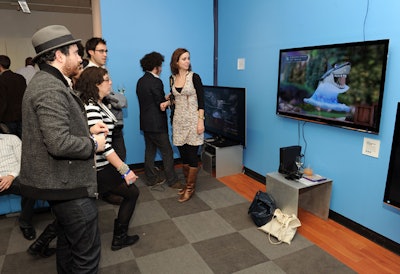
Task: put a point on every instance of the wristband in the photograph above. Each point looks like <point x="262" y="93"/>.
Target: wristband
<point x="125" y="174"/>
<point x="202" y="117"/>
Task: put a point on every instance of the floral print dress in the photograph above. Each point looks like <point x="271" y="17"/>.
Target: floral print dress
<point x="184" y="125"/>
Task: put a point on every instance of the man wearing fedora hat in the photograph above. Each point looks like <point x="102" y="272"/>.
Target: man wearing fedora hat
<point x="58" y="150"/>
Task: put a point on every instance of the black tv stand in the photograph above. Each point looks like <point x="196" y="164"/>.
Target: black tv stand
<point x="221" y="142"/>
<point x="222" y="157"/>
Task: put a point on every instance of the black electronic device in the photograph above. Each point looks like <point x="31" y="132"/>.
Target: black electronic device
<point x="392" y="190"/>
<point x="287" y="160"/>
<point x="340" y="84"/>
<point x="225" y="115"/>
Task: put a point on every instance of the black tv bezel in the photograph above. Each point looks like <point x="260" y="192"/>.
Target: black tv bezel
<point x="222" y="136"/>
<point x="325" y="121"/>
<point x="392" y="183"/>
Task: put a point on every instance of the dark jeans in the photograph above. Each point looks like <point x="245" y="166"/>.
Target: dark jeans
<point x="27" y="204"/>
<point x="78" y="238"/>
<point x="154" y="141"/>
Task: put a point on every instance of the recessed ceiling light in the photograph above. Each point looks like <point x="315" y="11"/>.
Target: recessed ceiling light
<point x="24" y="6"/>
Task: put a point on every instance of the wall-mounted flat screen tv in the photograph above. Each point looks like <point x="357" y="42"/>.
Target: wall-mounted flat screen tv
<point x="225" y="114"/>
<point x="340" y="84"/>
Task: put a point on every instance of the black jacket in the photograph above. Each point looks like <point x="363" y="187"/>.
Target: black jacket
<point x="12" y="89"/>
<point x="150" y="92"/>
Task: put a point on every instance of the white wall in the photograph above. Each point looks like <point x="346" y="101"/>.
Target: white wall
<point x="17" y="28"/>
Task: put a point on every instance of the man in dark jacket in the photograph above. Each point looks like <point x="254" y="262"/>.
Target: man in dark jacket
<point x="12" y="88"/>
<point x="153" y="120"/>
<point x="58" y="150"/>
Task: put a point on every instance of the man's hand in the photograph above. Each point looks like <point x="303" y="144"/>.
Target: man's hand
<point x="164" y="105"/>
<point x="98" y="128"/>
<point x="101" y="141"/>
<point x="5" y="182"/>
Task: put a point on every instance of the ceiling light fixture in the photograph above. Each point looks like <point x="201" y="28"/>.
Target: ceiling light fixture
<point x="24" y="6"/>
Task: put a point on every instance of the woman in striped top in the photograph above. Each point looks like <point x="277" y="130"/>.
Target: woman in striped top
<point x="113" y="175"/>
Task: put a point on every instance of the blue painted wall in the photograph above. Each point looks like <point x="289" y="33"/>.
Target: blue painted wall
<point x="256" y="30"/>
<point x="135" y="28"/>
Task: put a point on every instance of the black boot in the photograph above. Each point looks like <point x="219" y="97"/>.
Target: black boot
<point x="41" y="245"/>
<point x="120" y="237"/>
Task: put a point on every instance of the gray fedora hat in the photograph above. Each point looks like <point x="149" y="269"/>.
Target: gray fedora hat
<point x="51" y="37"/>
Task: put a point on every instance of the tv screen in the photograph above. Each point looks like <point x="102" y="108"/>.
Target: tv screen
<point x="225" y="114"/>
<point x="340" y="84"/>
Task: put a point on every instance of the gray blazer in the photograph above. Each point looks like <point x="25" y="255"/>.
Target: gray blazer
<point x="57" y="151"/>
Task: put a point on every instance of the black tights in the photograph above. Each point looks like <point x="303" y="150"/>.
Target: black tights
<point x="189" y="155"/>
<point x="110" y="176"/>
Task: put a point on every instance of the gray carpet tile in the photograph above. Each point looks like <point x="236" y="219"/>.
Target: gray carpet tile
<point x="158" y="236"/>
<point x="311" y="260"/>
<point x="183" y="259"/>
<point x="124" y="267"/>
<point x="233" y="215"/>
<point x="176" y="209"/>
<point x="229" y="253"/>
<point x="203" y="225"/>
<point x="210" y="233"/>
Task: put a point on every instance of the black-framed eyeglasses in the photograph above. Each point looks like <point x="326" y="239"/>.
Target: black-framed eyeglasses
<point x="102" y="51"/>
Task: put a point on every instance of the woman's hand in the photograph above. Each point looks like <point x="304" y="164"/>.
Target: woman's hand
<point x="200" y="126"/>
<point x="130" y="178"/>
<point x="98" y="128"/>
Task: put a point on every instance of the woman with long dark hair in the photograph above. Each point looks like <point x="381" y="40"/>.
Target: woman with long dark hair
<point x="113" y="175"/>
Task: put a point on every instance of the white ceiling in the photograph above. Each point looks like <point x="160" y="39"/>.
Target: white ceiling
<point x="63" y="6"/>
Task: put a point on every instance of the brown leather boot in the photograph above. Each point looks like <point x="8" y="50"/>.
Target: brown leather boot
<point x="185" y="168"/>
<point x="190" y="185"/>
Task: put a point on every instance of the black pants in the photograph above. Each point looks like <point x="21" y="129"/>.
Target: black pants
<point x="189" y="155"/>
<point x="109" y="180"/>
<point x="159" y="141"/>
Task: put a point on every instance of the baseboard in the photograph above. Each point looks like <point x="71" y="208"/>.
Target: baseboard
<point x="365" y="232"/>
<point x="356" y="227"/>
<point x="254" y="175"/>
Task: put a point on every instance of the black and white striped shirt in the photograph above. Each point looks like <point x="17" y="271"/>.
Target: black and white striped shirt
<point x="96" y="114"/>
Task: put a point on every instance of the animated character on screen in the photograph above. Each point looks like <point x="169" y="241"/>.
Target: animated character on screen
<point x="330" y="85"/>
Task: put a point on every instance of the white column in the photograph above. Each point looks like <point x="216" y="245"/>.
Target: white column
<point x="96" y="18"/>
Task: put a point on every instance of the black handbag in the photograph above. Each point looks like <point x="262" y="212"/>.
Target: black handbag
<point x="262" y="208"/>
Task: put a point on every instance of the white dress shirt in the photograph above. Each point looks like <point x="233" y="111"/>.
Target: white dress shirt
<point x="10" y="155"/>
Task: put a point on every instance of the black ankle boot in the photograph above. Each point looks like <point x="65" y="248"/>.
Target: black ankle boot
<point x="41" y="245"/>
<point x="120" y="237"/>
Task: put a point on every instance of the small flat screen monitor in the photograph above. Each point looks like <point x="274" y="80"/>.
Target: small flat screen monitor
<point x="225" y="114"/>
